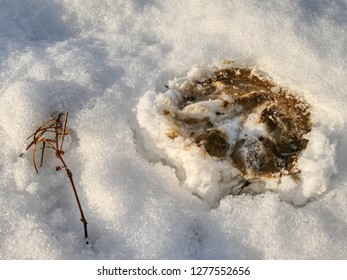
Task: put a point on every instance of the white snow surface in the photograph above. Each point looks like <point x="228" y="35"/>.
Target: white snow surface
<point x="97" y="60"/>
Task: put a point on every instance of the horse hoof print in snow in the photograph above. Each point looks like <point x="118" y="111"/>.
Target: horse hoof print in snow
<point x="228" y="131"/>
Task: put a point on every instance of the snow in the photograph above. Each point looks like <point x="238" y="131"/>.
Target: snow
<point x="99" y="61"/>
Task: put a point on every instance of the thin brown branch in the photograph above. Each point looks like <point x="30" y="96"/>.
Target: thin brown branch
<point x="35" y="139"/>
<point x="42" y="126"/>
<point x="43" y="151"/>
<point x="57" y="126"/>
<point x="83" y="219"/>
<point x="56" y="138"/>
<point x="63" y="131"/>
<point x="34" y="153"/>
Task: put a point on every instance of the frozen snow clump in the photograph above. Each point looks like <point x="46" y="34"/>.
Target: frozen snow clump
<point x="230" y="131"/>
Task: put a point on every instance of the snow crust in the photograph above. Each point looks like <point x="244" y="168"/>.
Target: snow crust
<point x="99" y="60"/>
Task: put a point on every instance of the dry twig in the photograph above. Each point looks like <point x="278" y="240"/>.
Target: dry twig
<point x="49" y="134"/>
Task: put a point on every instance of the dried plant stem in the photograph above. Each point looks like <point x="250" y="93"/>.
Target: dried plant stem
<point x="58" y="127"/>
<point x="83" y="219"/>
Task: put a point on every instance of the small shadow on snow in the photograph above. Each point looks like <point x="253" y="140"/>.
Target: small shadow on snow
<point x="335" y="11"/>
<point x="34" y="20"/>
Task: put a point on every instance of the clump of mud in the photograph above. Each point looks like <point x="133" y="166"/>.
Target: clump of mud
<point x="232" y="130"/>
<point x="239" y="116"/>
